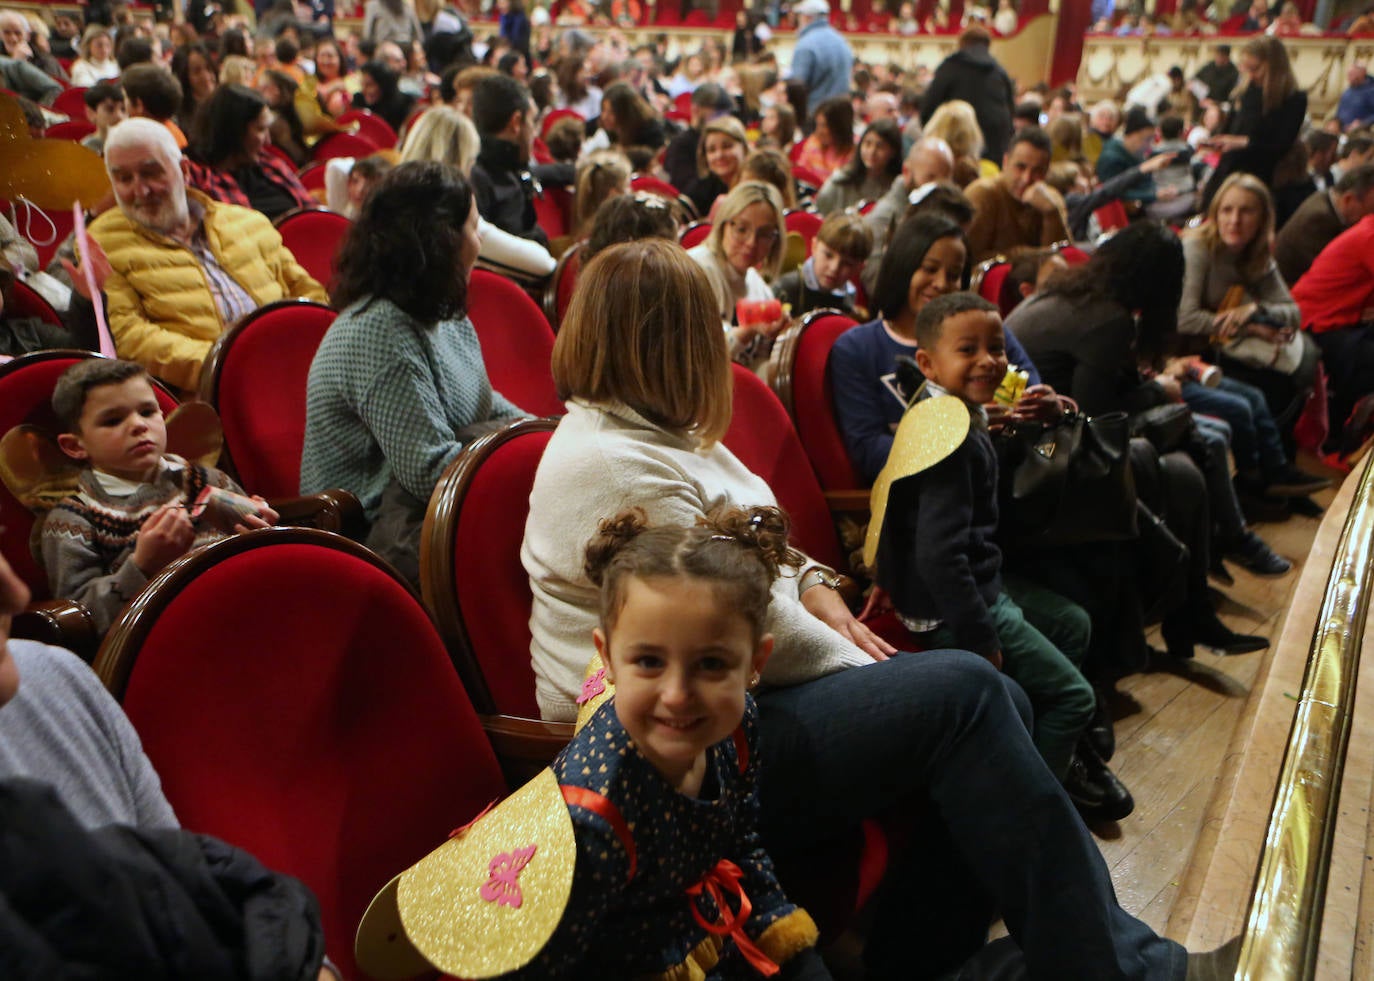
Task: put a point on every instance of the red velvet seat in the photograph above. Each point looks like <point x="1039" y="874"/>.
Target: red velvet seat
<point x="73" y="129"/>
<point x="694" y="234"/>
<point x="651" y="184"/>
<point x="312" y="177"/>
<point x="313" y="236"/>
<point x="989" y="282"/>
<point x="806" y="175"/>
<point x="553" y="211"/>
<point x="370" y="126"/>
<point x="558" y="295"/>
<point x="517" y="342"/>
<point x="1072" y="254"/>
<point x="297" y="702"/>
<point x="25" y="301"/>
<point x="342" y="145"/>
<point x="554" y="116"/>
<point x="255" y="377"/>
<point x="1112" y="216"/>
<point x="45" y="229"/>
<point x="71" y="102"/>
<point x="802" y="383"/>
<point x="804" y="223"/>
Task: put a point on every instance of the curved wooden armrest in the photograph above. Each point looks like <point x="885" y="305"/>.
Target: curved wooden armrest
<point x="847" y="500"/>
<point x="61" y="623"/>
<point x="330" y="510"/>
<point x="525" y="746"/>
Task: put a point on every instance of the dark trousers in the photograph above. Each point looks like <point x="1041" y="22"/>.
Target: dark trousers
<point x="1348" y="355"/>
<point x="944" y="727"/>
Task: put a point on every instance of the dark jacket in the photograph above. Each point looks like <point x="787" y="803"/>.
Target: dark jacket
<point x="972" y="74"/>
<point x="1220" y="80"/>
<point x="123" y="903"/>
<point x="504" y="186"/>
<point x="1311" y="229"/>
<point x="1272" y="134"/>
<point x="791" y="289"/>
<point x="936" y="555"/>
<point x="680" y="159"/>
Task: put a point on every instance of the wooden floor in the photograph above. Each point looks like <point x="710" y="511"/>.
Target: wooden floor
<point x="1173" y="725"/>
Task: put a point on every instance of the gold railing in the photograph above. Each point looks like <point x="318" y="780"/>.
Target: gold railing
<point x="1284" y="921"/>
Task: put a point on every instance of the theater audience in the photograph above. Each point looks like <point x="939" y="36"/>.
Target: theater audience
<point x="955" y="124"/>
<point x="630" y="218"/>
<point x="1321" y="218"/>
<point x="194" y="69"/>
<point x="1356" y="106"/>
<point x="183" y="266"/>
<point x="152" y="91"/>
<point x="398" y="386"/>
<point x="720" y="162"/>
<point x="380" y="92"/>
<point x="831" y="142"/>
<point x="741" y="257"/>
<point x="601" y="175"/>
<point x="826" y="279"/>
<point x="869" y="173"/>
<point x="97" y="58"/>
<point x="708" y="102"/>
<point x="971" y="74"/>
<point x="230" y="160"/>
<point x="104" y="109"/>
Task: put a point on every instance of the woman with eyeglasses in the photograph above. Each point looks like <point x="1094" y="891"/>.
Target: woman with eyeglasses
<point x="741" y="257"/>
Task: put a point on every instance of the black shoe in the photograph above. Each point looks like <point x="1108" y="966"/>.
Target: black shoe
<point x="1305" y="507"/>
<point x="1100" y="734"/>
<point x="1289" y="481"/>
<point x="1251" y="553"/>
<point x="1178" y="637"/>
<point x="1211" y="632"/>
<point x="1218" y="571"/>
<point x="1094" y="789"/>
<point x="1215" y="965"/>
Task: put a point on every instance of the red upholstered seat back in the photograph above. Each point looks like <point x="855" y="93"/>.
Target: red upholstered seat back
<point x="553" y="211"/>
<point x="694" y="234"/>
<point x="312" y="177"/>
<point x="1073" y="255"/>
<point x="564" y="282"/>
<point x="555" y="115"/>
<point x="71" y="102"/>
<point x="813" y="404"/>
<point x="483" y="607"/>
<point x="761" y="435"/>
<point x="314" y="237"/>
<point x="256" y="378"/>
<point x="298" y="703"/>
<point x="1112" y="216"/>
<point x="72" y="129"/>
<point x="26" y="386"/>
<point x="652" y="185"/>
<point x="25" y="301"/>
<point x="804" y="223"/>
<point x="370" y="127"/>
<point x="990" y="287"/>
<point x="343" y="145"/>
<point x="808" y="175"/>
<point x="517" y="342"/>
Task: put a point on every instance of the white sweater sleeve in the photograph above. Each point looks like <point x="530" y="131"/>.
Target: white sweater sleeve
<point x="510" y="253"/>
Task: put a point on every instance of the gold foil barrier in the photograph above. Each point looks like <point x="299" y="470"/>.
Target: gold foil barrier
<point x="931" y="430"/>
<point x="439" y="912"/>
<point x="53" y="174"/>
<point x="194" y="432"/>
<point x="590" y="683"/>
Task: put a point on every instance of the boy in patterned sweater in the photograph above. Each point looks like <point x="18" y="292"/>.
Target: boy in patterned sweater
<point x="132" y="512"/>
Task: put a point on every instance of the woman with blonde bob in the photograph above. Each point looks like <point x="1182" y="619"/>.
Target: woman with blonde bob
<point x="447" y="136"/>
<point x="741" y="257"/>
<point x="956" y="123"/>
<point x="848" y="732"/>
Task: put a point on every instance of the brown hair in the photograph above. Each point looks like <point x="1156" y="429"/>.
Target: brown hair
<point x="728" y="125"/>
<point x="1279" y="82"/>
<point x="74" y="384"/>
<point x="847" y="234"/>
<point x="738" y="551"/>
<point x="771" y="167"/>
<point x="643" y="330"/>
<point x="1255" y="258"/>
<point x="601" y="175"/>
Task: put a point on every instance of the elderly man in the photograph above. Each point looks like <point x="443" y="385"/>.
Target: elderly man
<point x="929" y="160"/>
<point x="1356" y="107"/>
<point x="182" y="266"/>
<point x="1321" y="218"/>
<point x="822" y="59"/>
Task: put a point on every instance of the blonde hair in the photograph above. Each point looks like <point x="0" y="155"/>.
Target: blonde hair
<point x="600" y="176"/>
<point x="1255" y="258"/>
<point x="732" y="128"/>
<point x="746" y="194"/>
<point x="445" y="135"/>
<point x="1279" y="82"/>
<point x="956" y="123"/>
<point x="643" y="331"/>
<point x="237" y="70"/>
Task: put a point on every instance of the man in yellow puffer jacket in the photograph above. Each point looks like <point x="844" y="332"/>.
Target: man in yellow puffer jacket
<point x="182" y="266"/>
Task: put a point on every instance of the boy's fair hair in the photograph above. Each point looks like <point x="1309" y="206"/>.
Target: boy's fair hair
<point x="739" y="551"/>
<point x="847" y="234"/>
<point x="69" y="394"/>
<point x="930" y="322"/>
<point x="643" y="330"/>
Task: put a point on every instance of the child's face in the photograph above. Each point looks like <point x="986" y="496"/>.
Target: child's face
<point x="832" y="269"/>
<point x="680" y="660"/>
<point x="121" y="431"/>
<point x="970" y="358"/>
<point x="107" y="114"/>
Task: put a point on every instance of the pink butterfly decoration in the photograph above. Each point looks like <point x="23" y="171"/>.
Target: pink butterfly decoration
<point x="503" y="886"/>
<point x="593" y="686"/>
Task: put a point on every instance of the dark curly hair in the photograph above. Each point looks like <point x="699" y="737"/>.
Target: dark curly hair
<point x="405" y="245"/>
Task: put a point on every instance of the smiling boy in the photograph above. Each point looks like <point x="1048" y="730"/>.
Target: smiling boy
<point x="842" y="245"/>
<point x="128" y="517"/>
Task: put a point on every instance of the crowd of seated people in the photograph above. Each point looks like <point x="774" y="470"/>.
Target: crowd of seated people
<point x="521" y="147"/>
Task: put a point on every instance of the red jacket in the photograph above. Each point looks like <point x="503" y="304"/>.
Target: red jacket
<point x="1338" y="291"/>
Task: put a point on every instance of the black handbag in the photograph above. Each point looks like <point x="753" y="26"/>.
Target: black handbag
<point x="1067" y="482"/>
<point x="1167" y="427"/>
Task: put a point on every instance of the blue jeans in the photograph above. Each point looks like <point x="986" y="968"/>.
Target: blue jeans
<point x="1255" y="438"/>
<point x="1213" y="459"/>
<point x="944" y="727"/>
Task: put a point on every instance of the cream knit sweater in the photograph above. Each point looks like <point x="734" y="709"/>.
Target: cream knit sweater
<point x="601" y="460"/>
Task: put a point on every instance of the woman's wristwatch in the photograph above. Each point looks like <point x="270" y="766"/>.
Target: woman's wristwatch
<point x="818" y="576"/>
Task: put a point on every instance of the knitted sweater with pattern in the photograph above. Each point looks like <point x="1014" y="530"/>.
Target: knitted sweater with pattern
<point x="386" y="399"/>
<point x="87" y="541"/>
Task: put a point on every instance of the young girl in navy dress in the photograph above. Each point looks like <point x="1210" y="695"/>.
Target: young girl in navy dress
<point x="669" y="878"/>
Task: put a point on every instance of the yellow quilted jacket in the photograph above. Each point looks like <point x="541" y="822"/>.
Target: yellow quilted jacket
<point x="161" y="311"/>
